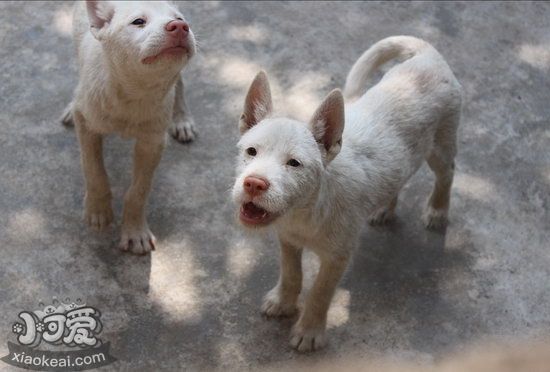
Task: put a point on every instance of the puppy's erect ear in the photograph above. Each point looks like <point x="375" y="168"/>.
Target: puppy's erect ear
<point x="327" y="124"/>
<point x="100" y="14"/>
<point x="258" y="104"/>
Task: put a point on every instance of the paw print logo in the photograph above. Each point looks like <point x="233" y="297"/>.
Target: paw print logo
<point x="17" y="328"/>
<point x="49" y="310"/>
<point x="71" y="323"/>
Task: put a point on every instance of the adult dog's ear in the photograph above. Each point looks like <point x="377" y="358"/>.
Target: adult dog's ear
<point x="258" y="104"/>
<point x="327" y="124"/>
<point x="100" y="14"/>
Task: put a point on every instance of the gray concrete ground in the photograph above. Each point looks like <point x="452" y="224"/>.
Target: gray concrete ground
<point x="194" y="303"/>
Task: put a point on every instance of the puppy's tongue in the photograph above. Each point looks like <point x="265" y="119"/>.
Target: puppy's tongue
<point x="253" y="212"/>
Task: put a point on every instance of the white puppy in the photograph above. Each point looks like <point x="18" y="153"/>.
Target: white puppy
<point x="130" y="56"/>
<point x="317" y="182"/>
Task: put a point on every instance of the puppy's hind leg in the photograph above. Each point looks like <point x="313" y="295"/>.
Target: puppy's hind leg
<point x="441" y="162"/>
<point x="383" y="215"/>
<point x="183" y="125"/>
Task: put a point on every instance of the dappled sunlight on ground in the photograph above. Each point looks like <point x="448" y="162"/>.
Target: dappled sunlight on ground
<point x="475" y="187"/>
<point x="535" y="55"/>
<point x="248" y="33"/>
<point x="426" y="29"/>
<point x="26" y="225"/>
<point x="63" y="20"/>
<point x="241" y="258"/>
<point x="488" y="356"/>
<point x="338" y="313"/>
<point x="299" y="101"/>
<point x="173" y="282"/>
<point x="305" y="95"/>
<point x="231" y="353"/>
<point x="236" y="71"/>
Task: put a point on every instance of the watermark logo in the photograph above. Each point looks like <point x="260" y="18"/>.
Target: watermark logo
<point x="68" y="324"/>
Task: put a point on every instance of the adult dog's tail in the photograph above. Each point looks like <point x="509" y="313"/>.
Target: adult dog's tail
<point x="403" y="47"/>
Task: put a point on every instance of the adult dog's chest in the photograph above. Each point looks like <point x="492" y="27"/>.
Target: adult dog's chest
<point x="146" y="108"/>
<point x="131" y="117"/>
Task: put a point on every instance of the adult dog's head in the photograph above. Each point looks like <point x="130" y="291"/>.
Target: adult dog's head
<point x="142" y="35"/>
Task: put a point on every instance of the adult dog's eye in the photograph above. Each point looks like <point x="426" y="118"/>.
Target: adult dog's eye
<point x="139" y="22"/>
<point x="293" y="163"/>
<point x="251" y="151"/>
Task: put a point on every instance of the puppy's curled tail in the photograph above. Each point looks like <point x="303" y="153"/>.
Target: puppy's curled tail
<point x="403" y="47"/>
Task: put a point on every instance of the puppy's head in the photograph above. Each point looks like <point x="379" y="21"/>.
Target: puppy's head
<point x="144" y="34"/>
<point x="281" y="161"/>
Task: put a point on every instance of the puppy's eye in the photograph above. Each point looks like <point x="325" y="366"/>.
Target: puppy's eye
<point x="179" y="18"/>
<point x="139" y="22"/>
<point x="251" y="151"/>
<point x="293" y="163"/>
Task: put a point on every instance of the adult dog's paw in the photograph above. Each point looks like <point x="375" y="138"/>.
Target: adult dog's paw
<point x="137" y="241"/>
<point x="183" y="130"/>
<point x="307" y="339"/>
<point x="434" y="219"/>
<point x="98" y="215"/>
<point x="274" y="306"/>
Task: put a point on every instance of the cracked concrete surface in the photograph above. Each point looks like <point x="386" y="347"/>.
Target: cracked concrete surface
<point x="194" y="303"/>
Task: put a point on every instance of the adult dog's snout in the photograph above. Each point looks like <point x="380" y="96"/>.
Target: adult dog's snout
<point x="177" y="28"/>
<point x="178" y="35"/>
<point x="255" y="186"/>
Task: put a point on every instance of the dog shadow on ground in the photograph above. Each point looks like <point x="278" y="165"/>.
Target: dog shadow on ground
<point x="395" y="281"/>
<point x="393" y="296"/>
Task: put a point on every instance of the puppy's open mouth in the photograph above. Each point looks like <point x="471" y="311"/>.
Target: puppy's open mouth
<point x="251" y="214"/>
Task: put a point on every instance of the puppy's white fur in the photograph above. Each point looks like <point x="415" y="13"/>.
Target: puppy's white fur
<point x="127" y="85"/>
<point x="346" y="175"/>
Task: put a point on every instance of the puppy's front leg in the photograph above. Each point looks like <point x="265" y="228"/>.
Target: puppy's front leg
<point x="97" y="201"/>
<point x="183" y="125"/>
<point x="136" y="236"/>
<point x="309" y="332"/>
<point x="281" y="300"/>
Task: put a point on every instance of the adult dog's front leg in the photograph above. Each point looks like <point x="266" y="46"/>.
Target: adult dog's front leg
<point x="136" y="236"/>
<point x="281" y="300"/>
<point x="309" y="332"/>
<point x="97" y="201"/>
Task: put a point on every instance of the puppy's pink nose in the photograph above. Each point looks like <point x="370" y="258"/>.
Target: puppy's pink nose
<point x="255" y="185"/>
<point x="177" y="26"/>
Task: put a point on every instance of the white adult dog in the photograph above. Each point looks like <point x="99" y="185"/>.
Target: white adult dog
<point x="130" y="56"/>
<point x="317" y="182"/>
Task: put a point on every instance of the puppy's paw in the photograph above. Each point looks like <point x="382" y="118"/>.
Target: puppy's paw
<point x="382" y="216"/>
<point x="274" y="306"/>
<point x="183" y="130"/>
<point x="138" y="241"/>
<point x="98" y="215"/>
<point x="434" y="219"/>
<point x="307" y="339"/>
